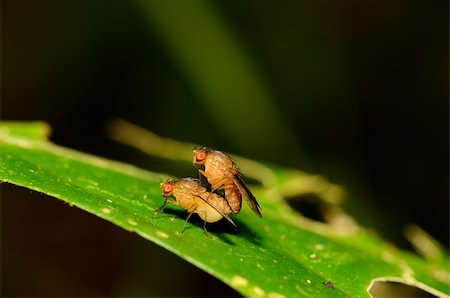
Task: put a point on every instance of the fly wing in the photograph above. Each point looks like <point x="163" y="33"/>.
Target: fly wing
<point x="247" y="194"/>
<point x="220" y="212"/>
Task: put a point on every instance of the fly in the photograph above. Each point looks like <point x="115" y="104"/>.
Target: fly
<point x="194" y="198"/>
<point x="223" y="174"/>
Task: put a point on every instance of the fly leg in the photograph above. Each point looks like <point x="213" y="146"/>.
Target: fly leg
<point x="206" y="231"/>
<point x="187" y="219"/>
<point x="229" y="188"/>
<point x="222" y="184"/>
<point x="216" y="185"/>
<point x="200" y="174"/>
<point x="191" y="211"/>
<point x="160" y="209"/>
<point x="204" y="224"/>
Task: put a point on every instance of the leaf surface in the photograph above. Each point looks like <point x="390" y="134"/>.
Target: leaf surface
<point x="280" y="255"/>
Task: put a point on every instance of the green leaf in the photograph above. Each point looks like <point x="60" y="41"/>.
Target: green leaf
<point x="32" y="130"/>
<point x="280" y="255"/>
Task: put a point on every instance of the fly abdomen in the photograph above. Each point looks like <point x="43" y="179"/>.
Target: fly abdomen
<point x="234" y="199"/>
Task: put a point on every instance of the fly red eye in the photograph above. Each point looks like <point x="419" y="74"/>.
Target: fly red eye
<point x="167" y="188"/>
<point x="200" y="156"/>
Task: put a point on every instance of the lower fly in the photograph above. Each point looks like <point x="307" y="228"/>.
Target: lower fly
<point x="189" y="194"/>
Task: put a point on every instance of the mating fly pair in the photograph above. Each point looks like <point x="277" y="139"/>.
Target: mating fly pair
<point x="222" y="174"/>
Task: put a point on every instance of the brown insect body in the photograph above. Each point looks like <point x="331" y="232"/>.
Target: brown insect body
<point x="190" y="195"/>
<point x="222" y="174"/>
<point x="234" y="198"/>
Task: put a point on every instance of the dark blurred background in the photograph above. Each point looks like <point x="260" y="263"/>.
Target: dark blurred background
<point x="354" y="90"/>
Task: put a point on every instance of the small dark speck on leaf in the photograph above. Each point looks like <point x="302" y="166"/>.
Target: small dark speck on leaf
<point x="329" y="284"/>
